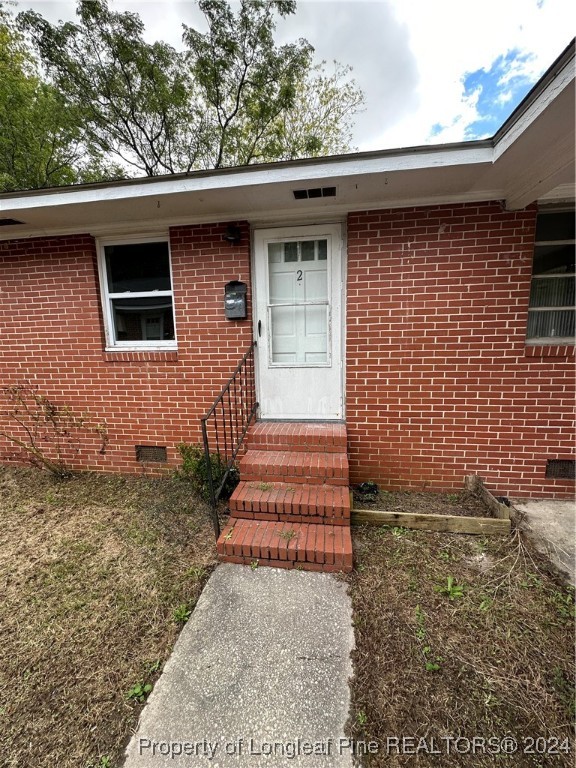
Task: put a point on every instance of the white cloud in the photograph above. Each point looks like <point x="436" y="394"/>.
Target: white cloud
<point x="409" y="56"/>
<point x="450" y="38"/>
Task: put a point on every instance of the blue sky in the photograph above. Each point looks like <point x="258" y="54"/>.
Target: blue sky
<point x="497" y="90"/>
<point x="433" y="71"/>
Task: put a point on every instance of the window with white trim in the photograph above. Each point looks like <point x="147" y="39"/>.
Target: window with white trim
<point x="136" y="285"/>
<point x="551" y="312"/>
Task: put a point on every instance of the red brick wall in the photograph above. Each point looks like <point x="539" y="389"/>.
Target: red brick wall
<point x="51" y="330"/>
<point x="440" y="383"/>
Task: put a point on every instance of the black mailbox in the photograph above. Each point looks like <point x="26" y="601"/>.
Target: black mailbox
<point x="235" y="300"/>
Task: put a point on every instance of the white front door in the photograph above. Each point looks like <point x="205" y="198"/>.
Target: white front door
<point x="298" y="322"/>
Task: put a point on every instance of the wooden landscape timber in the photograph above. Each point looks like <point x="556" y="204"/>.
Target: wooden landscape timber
<point x="500" y="524"/>
<point x="475" y="484"/>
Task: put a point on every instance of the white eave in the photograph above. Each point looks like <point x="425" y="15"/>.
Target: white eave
<point x="530" y="158"/>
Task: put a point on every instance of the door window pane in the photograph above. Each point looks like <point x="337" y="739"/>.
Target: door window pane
<point x="290" y="251"/>
<point x="307" y="250"/>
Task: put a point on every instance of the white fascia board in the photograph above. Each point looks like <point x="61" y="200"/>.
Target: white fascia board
<point x="564" y="79"/>
<point x="328" y="171"/>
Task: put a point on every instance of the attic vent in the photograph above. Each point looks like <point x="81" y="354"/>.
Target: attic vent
<point x="564" y="468"/>
<point x="308" y="194"/>
<point x="9" y="222"/>
<point x="155" y="453"/>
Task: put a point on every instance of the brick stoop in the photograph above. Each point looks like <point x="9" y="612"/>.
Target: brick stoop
<point x="292" y="506"/>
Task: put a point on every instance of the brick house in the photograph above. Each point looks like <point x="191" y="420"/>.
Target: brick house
<point x="423" y="297"/>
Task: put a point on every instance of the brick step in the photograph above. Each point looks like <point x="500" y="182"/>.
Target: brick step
<point x="294" y="467"/>
<point x="327" y="437"/>
<point x="287" y="545"/>
<point x="300" y="502"/>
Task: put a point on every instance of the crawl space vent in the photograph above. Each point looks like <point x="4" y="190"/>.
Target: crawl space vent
<point x="563" y="468"/>
<point x="155" y="453"/>
<point x="9" y="222"/>
<point x="309" y="194"/>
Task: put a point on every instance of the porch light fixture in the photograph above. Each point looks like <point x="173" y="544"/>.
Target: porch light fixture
<point x="233" y="234"/>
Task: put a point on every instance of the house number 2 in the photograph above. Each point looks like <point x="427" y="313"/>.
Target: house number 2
<point x="299" y="275"/>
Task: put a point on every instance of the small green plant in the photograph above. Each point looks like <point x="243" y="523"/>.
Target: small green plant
<point x="532" y="581"/>
<point x="398" y="531"/>
<point x="181" y="614"/>
<point x="198" y="572"/>
<point x="288" y="535"/>
<point x="254" y="564"/>
<point x="563" y="602"/>
<point x="103" y="762"/>
<point x="451" y="589"/>
<point x="447" y="556"/>
<point x="563" y="684"/>
<point x="361" y="717"/>
<point x="429" y="664"/>
<point x="139" y="692"/>
<point x="264" y="486"/>
<point x="154" y="666"/>
<point x="420" y="619"/>
<point x="486" y="603"/>
<point x="195" y="468"/>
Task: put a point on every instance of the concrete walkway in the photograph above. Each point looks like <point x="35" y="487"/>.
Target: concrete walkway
<point x="258" y="677"/>
<point x="551" y="525"/>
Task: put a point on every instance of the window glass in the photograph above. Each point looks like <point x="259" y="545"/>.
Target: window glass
<point x="137" y="294"/>
<point x="551" y="310"/>
<point x="553" y="259"/>
<point x="552" y="292"/>
<point x="290" y="251"/>
<point x="555" y="226"/>
<point x="145" y="319"/>
<point x="138" y="267"/>
<point x="307" y="250"/>
<point x="550" y="325"/>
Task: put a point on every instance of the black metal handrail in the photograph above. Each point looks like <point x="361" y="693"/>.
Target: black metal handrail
<point x="226" y="423"/>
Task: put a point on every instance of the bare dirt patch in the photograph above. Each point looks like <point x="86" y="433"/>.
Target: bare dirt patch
<point x="91" y="572"/>
<point x="464" y="503"/>
<point x="460" y="637"/>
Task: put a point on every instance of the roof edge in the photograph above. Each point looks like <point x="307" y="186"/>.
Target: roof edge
<point x="549" y="76"/>
<point x="241" y="169"/>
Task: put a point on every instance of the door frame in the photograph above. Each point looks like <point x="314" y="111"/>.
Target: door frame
<point x="300" y="229"/>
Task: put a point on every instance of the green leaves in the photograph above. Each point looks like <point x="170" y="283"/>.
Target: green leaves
<point x="451" y="589"/>
<point x="42" y="138"/>
<point x="112" y="104"/>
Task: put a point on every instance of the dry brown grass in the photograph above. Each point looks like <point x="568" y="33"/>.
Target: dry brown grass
<point x="91" y="571"/>
<point x="504" y="648"/>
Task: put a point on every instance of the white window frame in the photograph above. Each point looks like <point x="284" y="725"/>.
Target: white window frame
<point x="548" y="340"/>
<point x="106" y="297"/>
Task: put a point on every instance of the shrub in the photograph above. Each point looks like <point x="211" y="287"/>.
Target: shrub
<point x="47" y="435"/>
<point x="195" y="468"/>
